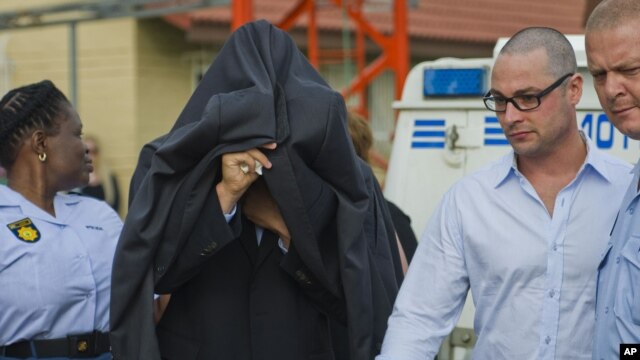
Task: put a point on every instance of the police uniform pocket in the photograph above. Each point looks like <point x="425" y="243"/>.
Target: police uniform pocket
<point x="631" y="251"/>
<point x="631" y="255"/>
<point x="18" y="280"/>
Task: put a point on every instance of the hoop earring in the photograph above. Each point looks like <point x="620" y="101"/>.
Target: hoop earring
<point x="42" y="157"/>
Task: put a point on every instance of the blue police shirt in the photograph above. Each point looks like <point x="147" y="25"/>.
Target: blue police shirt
<point x="55" y="272"/>
<point x="532" y="276"/>
<point x="618" y="298"/>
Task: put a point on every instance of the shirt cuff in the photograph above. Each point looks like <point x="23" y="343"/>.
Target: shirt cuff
<point x="282" y="247"/>
<point x="231" y="214"/>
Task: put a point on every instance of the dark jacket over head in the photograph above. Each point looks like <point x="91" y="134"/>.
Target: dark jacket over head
<point x="259" y="89"/>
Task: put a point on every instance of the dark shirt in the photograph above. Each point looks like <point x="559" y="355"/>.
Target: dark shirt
<point x="402" y="223"/>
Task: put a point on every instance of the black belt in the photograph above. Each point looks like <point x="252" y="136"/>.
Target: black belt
<point x="73" y="346"/>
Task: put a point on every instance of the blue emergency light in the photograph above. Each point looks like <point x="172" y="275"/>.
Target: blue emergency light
<point x="454" y="82"/>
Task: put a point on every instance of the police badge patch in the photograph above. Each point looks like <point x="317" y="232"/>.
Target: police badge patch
<point x="25" y="230"/>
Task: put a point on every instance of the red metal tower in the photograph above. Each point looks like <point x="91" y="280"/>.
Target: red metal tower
<point x="394" y="47"/>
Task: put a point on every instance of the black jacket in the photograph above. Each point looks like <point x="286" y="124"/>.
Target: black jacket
<point x="259" y="89"/>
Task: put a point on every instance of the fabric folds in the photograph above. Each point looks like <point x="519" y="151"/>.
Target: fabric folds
<point x="259" y="89"/>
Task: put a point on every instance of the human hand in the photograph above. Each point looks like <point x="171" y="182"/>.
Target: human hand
<point x="159" y="306"/>
<point x="238" y="173"/>
<point x="261" y="208"/>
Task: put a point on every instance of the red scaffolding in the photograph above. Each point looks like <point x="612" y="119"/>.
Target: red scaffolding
<point x="394" y="47"/>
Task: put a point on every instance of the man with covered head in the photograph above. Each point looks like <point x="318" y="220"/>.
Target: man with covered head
<point x="255" y="214"/>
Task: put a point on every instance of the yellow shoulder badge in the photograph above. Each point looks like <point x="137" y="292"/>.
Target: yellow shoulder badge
<point x="25" y="230"/>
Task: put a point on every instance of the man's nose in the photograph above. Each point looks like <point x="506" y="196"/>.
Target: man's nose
<point x="614" y="85"/>
<point x="511" y="113"/>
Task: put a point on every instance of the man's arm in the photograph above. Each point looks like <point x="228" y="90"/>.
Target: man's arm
<point x="212" y="229"/>
<point x="262" y="210"/>
<point x="327" y="302"/>
<point x="433" y="293"/>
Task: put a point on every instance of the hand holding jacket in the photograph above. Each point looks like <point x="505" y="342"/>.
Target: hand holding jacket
<point x="235" y="181"/>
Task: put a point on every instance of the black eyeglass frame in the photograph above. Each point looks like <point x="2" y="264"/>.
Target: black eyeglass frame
<point x="488" y="97"/>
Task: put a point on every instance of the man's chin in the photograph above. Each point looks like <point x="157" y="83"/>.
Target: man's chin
<point x="635" y="135"/>
<point x="630" y="126"/>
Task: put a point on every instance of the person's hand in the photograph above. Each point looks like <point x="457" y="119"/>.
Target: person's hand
<point x="238" y="173"/>
<point x="159" y="306"/>
<point x="261" y="208"/>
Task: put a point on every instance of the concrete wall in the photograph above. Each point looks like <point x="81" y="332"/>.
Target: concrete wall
<point x="133" y="78"/>
<point x="163" y="78"/>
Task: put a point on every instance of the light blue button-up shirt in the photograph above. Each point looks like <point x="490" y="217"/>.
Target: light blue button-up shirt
<point x="532" y="276"/>
<point x="259" y="230"/>
<point x="618" y="299"/>
<point x="55" y="272"/>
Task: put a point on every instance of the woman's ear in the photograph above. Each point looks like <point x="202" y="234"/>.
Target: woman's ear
<point x="39" y="142"/>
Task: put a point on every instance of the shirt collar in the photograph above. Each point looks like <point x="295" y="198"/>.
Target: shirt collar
<point x="595" y="160"/>
<point x="507" y="166"/>
<point x="636" y="168"/>
<point x="63" y="205"/>
<point x="8" y="197"/>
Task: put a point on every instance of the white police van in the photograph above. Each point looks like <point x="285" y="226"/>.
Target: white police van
<point x="444" y="132"/>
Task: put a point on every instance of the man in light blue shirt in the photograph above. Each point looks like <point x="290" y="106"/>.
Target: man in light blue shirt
<point x="613" y="55"/>
<point x="525" y="233"/>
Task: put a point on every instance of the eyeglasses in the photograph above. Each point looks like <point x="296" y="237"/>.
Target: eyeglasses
<point x="521" y="102"/>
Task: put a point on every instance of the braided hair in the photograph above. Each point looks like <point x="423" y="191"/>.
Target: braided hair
<point x="24" y="110"/>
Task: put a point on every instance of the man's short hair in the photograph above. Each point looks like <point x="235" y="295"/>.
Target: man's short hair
<point x="611" y="13"/>
<point x="562" y="58"/>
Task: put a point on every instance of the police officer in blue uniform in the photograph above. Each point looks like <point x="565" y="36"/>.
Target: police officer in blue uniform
<point x="56" y="250"/>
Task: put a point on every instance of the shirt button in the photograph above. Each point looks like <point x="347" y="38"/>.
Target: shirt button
<point x="606" y="310"/>
<point x="618" y="260"/>
<point x="547" y="340"/>
<point x="552" y="293"/>
<point x="631" y="210"/>
<point x="555" y="247"/>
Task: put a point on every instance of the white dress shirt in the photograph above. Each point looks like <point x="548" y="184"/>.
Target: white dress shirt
<point x="532" y="276"/>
